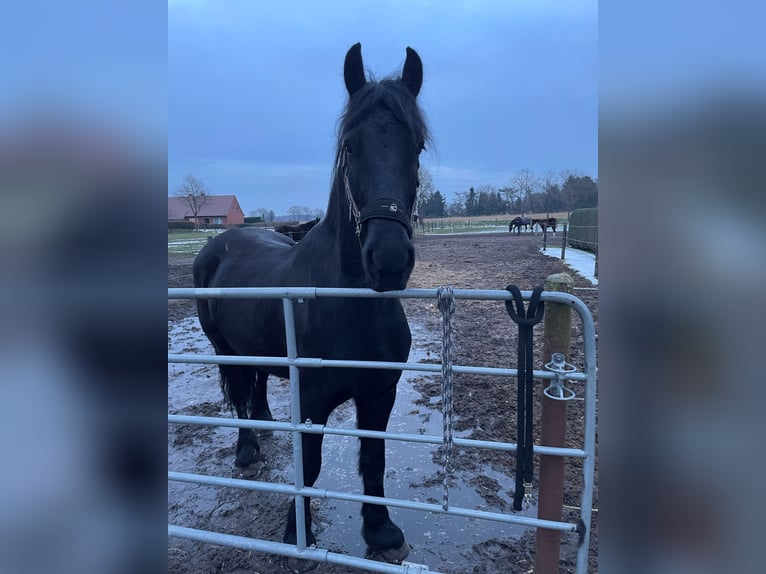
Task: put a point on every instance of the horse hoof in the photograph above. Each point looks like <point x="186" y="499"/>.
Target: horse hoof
<point x="391" y="555"/>
<point x="246" y="455"/>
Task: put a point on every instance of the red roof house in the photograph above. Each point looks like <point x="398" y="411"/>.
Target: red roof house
<point x="217" y="209"/>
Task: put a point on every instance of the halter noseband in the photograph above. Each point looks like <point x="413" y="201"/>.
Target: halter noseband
<point x="378" y="208"/>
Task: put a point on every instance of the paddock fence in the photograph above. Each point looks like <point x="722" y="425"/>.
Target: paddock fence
<point x="556" y="379"/>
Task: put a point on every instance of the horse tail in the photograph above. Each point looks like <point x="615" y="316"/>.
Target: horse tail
<point x="203" y="270"/>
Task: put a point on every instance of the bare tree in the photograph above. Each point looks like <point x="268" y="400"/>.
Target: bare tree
<point x="549" y="181"/>
<point x="511" y="195"/>
<point x="263" y="213"/>
<point x="194" y="193"/>
<point x="299" y="213"/>
<point x="524" y="183"/>
<point x="457" y="207"/>
<point x="426" y="187"/>
<point x="294" y="212"/>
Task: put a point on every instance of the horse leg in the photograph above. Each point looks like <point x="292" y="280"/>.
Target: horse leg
<point x="385" y="540"/>
<point x="238" y="383"/>
<point x="259" y="405"/>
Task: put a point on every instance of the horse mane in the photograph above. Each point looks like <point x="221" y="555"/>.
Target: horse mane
<point x="392" y="93"/>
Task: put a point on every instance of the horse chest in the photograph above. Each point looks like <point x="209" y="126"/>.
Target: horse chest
<point x="374" y="332"/>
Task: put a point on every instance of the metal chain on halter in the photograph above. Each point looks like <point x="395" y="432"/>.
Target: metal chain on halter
<point x="446" y="302"/>
<point x="353" y="210"/>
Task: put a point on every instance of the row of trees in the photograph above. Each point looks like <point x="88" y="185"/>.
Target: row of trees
<point x="295" y="213"/>
<point x="527" y="192"/>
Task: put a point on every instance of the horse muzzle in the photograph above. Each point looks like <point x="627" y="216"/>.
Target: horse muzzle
<point x="387" y="254"/>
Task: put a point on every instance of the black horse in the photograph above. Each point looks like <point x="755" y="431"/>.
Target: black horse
<point x="517" y="223"/>
<point x="297" y="232"/>
<point x="364" y="240"/>
<point x="545" y="223"/>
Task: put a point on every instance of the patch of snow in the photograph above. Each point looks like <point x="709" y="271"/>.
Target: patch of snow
<point x="583" y="262"/>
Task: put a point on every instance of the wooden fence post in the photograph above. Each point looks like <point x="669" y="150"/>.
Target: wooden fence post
<point x="557" y="339"/>
<point x="564" y="242"/>
<point x="595" y="265"/>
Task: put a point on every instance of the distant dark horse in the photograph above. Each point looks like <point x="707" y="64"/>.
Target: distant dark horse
<point x="545" y="223"/>
<point x="297" y="232"/>
<point x="365" y="240"/>
<point x="517" y="223"/>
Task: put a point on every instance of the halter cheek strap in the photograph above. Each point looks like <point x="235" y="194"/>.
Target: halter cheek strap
<point x="378" y="208"/>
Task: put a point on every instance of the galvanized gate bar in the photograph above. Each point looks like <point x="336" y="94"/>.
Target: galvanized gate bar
<point x="406" y="437"/>
<point x="343" y="293"/>
<point x="311" y="492"/>
<point x="288" y="550"/>
<point x="589" y="431"/>
<point x="256" y="361"/>
<point x="295" y="419"/>
<point x="288" y="294"/>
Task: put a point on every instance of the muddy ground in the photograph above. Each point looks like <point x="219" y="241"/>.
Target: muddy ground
<point x="484" y="409"/>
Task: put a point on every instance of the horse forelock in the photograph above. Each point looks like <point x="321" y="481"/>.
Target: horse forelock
<point x="394" y="96"/>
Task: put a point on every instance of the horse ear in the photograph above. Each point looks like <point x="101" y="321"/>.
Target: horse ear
<point x="412" y="74"/>
<point x="353" y="69"/>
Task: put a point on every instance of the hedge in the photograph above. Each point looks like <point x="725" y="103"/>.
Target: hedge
<point x="583" y="229"/>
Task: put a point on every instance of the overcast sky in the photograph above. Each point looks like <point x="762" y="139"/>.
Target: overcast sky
<point x="255" y="89"/>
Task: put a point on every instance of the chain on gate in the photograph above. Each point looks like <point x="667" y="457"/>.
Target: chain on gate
<point x="446" y="303"/>
<point x="525" y="399"/>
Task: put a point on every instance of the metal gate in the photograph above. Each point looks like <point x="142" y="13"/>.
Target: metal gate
<point x="297" y="425"/>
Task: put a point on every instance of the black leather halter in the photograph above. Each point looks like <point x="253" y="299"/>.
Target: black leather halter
<point x="378" y="208"/>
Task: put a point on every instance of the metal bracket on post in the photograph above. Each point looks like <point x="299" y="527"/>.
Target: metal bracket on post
<point x="528" y="486"/>
<point x="557" y="390"/>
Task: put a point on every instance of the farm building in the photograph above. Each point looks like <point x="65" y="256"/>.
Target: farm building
<point x="216" y="210"/>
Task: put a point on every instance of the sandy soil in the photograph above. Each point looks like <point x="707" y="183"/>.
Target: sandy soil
<point x="484" y="409"/>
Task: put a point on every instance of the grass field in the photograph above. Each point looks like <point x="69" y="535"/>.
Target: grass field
<point x="185" y="243"/>
<point x="479" y="224"/>
<point x="188" y="242"/>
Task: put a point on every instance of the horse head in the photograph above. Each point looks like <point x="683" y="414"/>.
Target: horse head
<point x="381" y="136"/>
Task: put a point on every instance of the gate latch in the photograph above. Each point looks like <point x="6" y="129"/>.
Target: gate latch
<point x="557" y="390"/>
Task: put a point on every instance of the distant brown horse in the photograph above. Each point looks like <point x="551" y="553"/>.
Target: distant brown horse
<point x="297" y="232"/>
<point x="545" y="223"/>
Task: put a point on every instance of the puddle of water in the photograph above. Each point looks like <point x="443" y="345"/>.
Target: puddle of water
<point x="436" y="539"/>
